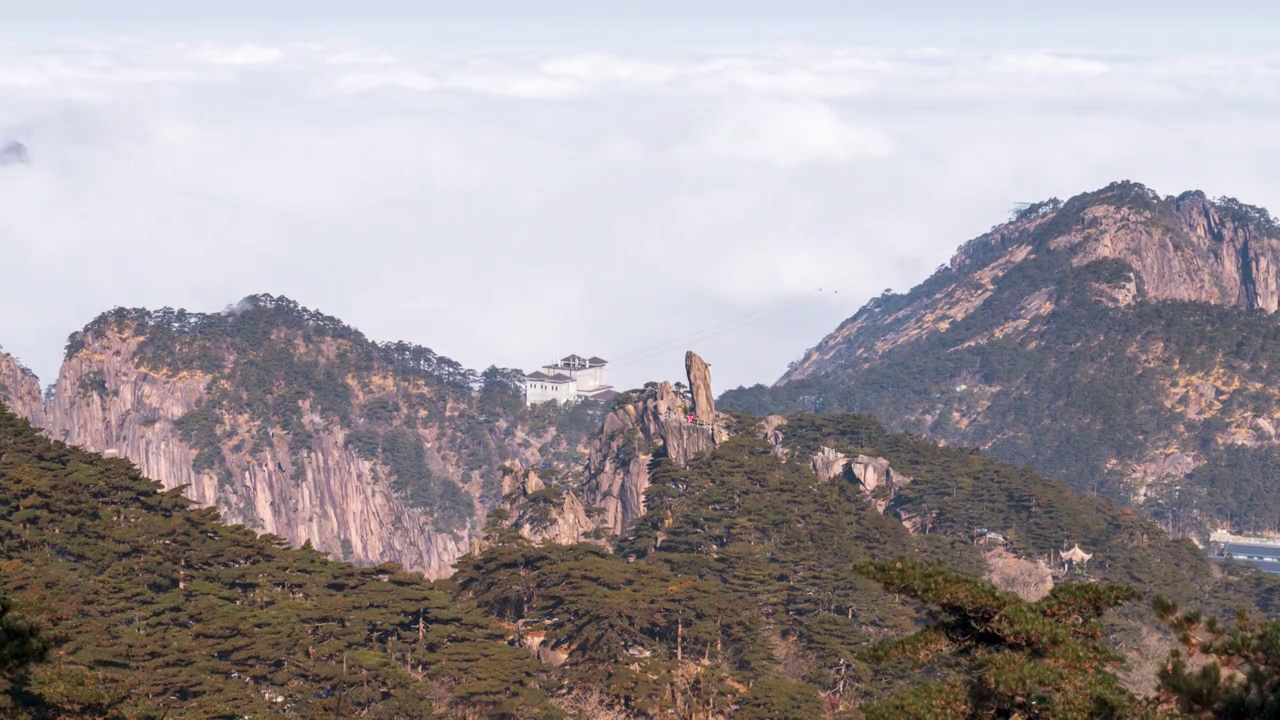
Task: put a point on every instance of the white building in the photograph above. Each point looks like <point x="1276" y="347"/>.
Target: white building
<point x="568" y="380"/>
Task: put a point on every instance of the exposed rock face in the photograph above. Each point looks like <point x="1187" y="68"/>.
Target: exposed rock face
<point x="1028" y="579"/>
<point x="875" y="474"/>
<point x="1187" y="248"/>
<point x="546" y="514"/>
<point x="771" y="430"/>
<point x="293" y="424"/>
<point x="618" y="466"/>
<point x="20" y="390"/>
<point x="704" y="404"/>
<point x="1114" y="341"/>
<point x="611" y="493"/>
<point x="333" y="498"/>
<point x="828" y="463"/>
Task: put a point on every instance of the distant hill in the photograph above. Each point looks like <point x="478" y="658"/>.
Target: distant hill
<point x="1122" y="341"/>
<point x="293" y="423"/>
<point x="13" y="153"/>
<point x="734" y="593"/>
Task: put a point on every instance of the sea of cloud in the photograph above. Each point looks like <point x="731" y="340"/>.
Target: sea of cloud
<point x="505" y="205"/>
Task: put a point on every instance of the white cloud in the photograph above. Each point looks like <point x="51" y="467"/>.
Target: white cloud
<point x="1046" y="64"/>
<point x="361" y="82"/>
<point x="358" y="57"/>
<point x="240" y="55"/>
<point x="788" y="134"/>
<point x="600" y="68"/>
<point x="511" y="204"/>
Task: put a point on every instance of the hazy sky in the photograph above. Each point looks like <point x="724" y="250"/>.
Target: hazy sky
<point x="507" y="186"/>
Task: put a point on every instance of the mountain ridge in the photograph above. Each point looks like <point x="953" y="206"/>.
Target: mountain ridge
<point x="1122" y="340"/>
<point x="293" y="423"/>
<point x="1121" y="221"/>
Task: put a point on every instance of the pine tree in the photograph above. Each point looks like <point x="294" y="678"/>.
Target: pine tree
<point x="1238" y="675"/>
<point x="994" y="655"/>
<point x="21" y="642"/>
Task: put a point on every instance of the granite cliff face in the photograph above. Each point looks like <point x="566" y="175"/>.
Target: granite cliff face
<point x="1188" y="249"/>
<point x="293" y="424"/>
<point x="20" y="390"/>
<point x="699" y="374"/>
<point x="326" y="494"/>
<point x="657" y="420"/>
<point x="608" y="492"/>
<point x="1122" y="341"/>
<point x="617" y="472"/>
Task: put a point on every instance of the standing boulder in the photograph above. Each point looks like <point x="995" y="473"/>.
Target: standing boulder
<point x="704" y="404"/>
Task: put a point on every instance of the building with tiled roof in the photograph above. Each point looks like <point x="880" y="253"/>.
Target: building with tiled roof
<point x="568" y="379"/>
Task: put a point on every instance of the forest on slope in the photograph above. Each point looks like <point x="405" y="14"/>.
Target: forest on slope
<point x="154" y="609"/>
<point x="291" y="422"/>
<point x="1123" y="342"/>
<point x="749" y="589"/>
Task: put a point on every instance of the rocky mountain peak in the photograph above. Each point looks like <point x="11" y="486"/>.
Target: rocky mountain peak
<point x="644" y="424"/>
<point x="1123" y="340"/>
<point x="292" y="423"/>
<point x="1182" y="248"/>
<point x="1122" y="244"/>
<point x="704" y="402"/>
<point x="20" y="389"/>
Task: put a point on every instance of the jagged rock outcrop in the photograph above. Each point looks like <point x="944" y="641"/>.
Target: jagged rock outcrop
<point x="327" y="495"/>
<point x="1028" y="579"/>
<point x="771" y="430"/>
<point x="20" y="390"/>
<point x="1120" y="341"/>
<point x="547" y="513"/>
<point x="704" y="403"/>
<point x="828" y="463"/>
<point x="642" y="424"/>
<point x="1187" y="248"/>
<point x="291" y="423"/>
<point x="876" y="475"/>
<point x="618" y="465"/>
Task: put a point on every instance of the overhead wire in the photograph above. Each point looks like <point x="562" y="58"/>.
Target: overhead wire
<point x="722" y="328"/>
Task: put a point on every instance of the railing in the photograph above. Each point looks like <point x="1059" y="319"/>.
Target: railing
<point x="1225" y="537"/>
<point x="693" y="420"/>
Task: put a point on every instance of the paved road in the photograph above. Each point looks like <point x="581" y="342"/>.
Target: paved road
<point x="1263" y="557"/>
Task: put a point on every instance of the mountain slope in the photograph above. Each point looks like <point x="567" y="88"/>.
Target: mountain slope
<point x="1122" y="341"/>
<point x="20" y="389"/>
<point x="156" y="609"/>
<point x="733" y="594"/>
<point x="741" y="570"/>
<point x="292" y="423"/>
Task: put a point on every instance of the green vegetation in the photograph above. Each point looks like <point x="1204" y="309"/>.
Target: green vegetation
<point x="961" y="490"/>
<point x="93" y="383"/>
<point x="1086" y="392"/>
<point x="1239" y="673"/>
<point x="199" y="430"/>
<point x="280" y="374"/>
<point x="20" y="641"/>
<point x="749" y="589"/>
<point x="994" y="655"/>
<point x="156" y="609"/>
<point x="403" y="452"/>
<point x="740" y="563"/>
<point x="747" y="572"/>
